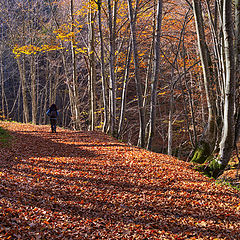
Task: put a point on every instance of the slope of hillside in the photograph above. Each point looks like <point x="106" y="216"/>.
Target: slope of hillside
<point x="86" y="185"/>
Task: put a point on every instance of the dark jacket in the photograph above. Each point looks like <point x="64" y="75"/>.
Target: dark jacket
<point x="52" y="112"/>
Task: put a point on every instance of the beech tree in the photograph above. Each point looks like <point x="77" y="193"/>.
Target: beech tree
<point x="156" y="73"/>
<point x="75" y="96"/>
<point x="227" y="141"/>
<point x="112" y="84"/>
<point x="92" y="66"/>
<point x="141" y="139"/>
<point x="222" y="144"/>
<point x="104" y="90"/>
<point x="124" y="88"/>
<point x="208" y="143"/>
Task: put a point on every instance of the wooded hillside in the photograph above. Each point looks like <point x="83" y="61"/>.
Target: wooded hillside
<point x="160" y="74"/>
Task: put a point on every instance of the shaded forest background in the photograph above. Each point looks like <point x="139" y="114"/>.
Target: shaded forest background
<point x="133" y="69"/>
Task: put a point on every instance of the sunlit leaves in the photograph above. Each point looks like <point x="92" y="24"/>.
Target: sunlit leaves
<point x="86" y="185"/>
<point x="31" y="49"/>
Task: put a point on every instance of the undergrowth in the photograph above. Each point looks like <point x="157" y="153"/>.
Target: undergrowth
<point x="228" y="183"/>
<point x="5" y="137"/>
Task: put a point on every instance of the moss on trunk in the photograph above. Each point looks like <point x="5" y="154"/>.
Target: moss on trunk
<point x="207" y="163"/>
<point x="212" y="167"/>
<point x="201" y="153"/>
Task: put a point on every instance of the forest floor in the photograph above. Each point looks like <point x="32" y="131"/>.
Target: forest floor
<point x="86" y="185"/>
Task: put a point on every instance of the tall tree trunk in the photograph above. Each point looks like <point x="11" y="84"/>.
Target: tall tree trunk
<point x="141" y="139"/>
<point x="237" y="41"/>
<point x="237" y="64"/>
<point x="21" y="67"/>
<point x="50" y="88"/>
<point x="156" y="73"/>
<point x="124" y="89"/>
<point x="104" y="91"/>
<point x="33" y="88"/>
<point x="74" y="71"/>
<point x="227" y="141"/>
<point x="55" y="85"/>
<point x="207" y="143"/>
<point x="149" y="73"/>
<point x="219" y="65"/>
<point x="46" y="99"/>
<point x="112" y="90"/>
<point x="228" y="59"/>
<point x="92" y="76"/>
<point x="170" y="117"/>
<point x="2" y="83"/>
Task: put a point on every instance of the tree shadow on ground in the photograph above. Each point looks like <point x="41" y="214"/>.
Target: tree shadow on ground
<point x="101" y="191"/>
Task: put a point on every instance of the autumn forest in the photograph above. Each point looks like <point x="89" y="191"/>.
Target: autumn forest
<point x="138" y="84"/>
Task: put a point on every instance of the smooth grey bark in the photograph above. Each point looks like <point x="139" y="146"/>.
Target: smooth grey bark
<point x="227" y="141"/>
<point x="124" y="89"/>
<point x="21" y="68"/>
<point x="204" y="54"/>
<point x="33" y="88"/>
<point x="148" y="75"/>
<point x="41" y="104"/>
<point x="92" y="75"/>
<point x="216" y="45"/>
<point x="237" y="41"/>
<point x="74" y="71"/>
<point x="170" y="118"/>
<point x="219" y="64"/>
<point x="215" y="22"/>
<point x="2" y="84"/>
<point x="55" y="84"/>
<point x="104" y="91"/>
<point x="141" y="139"/>
<point x="112" y="84"/>
<point x="156" y="73"/>
<point x="237" y="64"/>
<point x="149" y="72"/>
<point x="209" y="136"/>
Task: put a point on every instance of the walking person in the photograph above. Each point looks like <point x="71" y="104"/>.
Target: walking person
<point x="53" y="114"/>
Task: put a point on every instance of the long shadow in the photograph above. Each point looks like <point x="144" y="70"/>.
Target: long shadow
<point x="131" y="212"/>
<point x="31" y="143"/>
<point x="50" y="146"/>
<point x="106" y="210"/>
<point x="122" y="185"/>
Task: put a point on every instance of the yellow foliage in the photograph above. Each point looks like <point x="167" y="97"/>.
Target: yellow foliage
<point x="31" y="49"/>
<point x="81" y="50"/>
<point x="163" y="93"/>
<point x="100" y="125"/>
<point x="28" y="49"/>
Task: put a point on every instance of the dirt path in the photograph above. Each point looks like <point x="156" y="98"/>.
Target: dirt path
<point x="85" y="185"/>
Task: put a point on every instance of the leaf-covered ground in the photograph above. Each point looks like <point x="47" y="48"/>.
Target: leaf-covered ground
<point x="85" y="185"/>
